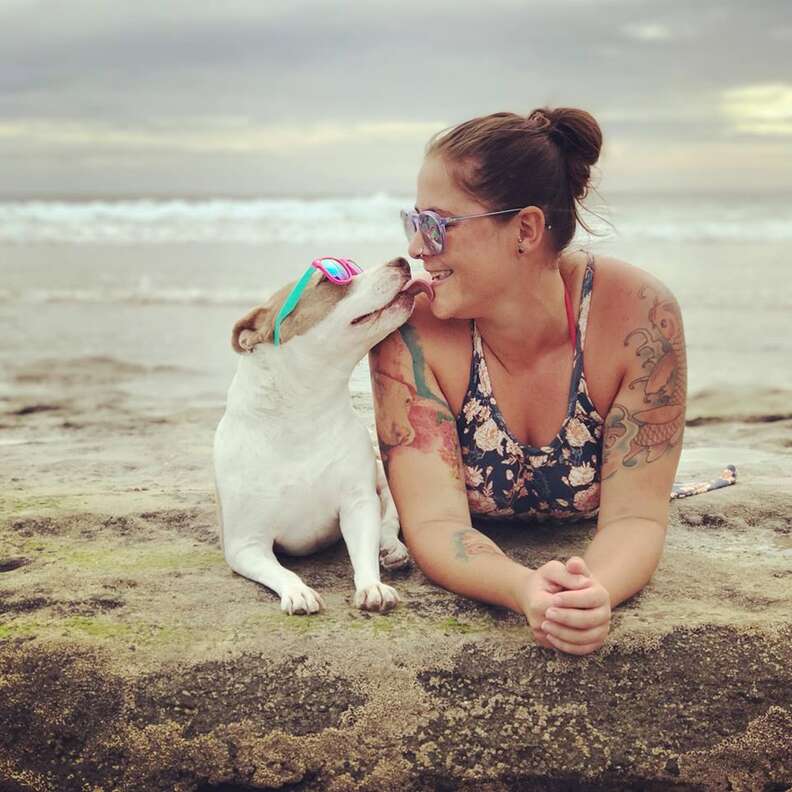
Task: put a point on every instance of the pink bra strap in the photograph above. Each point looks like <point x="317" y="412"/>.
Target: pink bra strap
<point x="570" y="317"/>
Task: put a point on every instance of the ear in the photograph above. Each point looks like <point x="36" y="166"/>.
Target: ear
<point x="253" y="328"/>
<point x="532" y="225"/>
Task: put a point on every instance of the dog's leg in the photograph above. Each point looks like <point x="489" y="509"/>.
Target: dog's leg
<point x="393" y="554"/>
<point x="256" y="560"/>
<point x="360" y="527"/>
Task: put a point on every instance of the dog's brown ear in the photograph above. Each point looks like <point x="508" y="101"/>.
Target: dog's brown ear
<point x="255" y="327"/>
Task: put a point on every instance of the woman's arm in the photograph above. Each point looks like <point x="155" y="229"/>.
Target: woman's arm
<point x="642" y="444"/>
<point x="420" y="450"/>
<point x="641" y="447"/>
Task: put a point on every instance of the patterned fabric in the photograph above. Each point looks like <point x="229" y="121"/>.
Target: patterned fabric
<point x="505" y="478"/>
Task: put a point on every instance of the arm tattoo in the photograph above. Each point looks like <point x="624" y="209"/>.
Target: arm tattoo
<point x="469" y="542"/>
<point x="411" y="415"/>
<point x="645" y="434"/>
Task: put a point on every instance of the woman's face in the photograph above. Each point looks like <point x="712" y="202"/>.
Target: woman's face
<point x="480" y="253"/>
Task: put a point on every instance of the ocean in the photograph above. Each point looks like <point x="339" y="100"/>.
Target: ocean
<point x="160" y="282"/>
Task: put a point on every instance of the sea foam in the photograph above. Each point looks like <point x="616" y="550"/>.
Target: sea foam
<point x="372" y="218"/>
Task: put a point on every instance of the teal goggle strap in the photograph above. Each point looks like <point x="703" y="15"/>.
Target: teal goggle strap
<point x="292" y="300"/>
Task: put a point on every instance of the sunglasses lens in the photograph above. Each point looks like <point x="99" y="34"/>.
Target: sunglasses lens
<point x="334" y="270"/>
<point x="431" y="231"/>
<point x="337" y="270"/>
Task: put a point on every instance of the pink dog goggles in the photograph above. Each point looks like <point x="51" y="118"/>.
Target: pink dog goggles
<point x="337" y="270"/>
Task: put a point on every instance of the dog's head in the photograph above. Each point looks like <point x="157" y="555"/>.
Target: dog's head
<point x="345" y="319"/>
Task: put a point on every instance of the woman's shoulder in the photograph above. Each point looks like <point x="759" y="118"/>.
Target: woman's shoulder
<point x="623" y="296"/>
<point x="617" y="272"/>
<point x="623" y="293"/>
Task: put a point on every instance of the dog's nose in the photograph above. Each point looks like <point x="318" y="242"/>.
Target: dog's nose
<point x="402" y="264"/>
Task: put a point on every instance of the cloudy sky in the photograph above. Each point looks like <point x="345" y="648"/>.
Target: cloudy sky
<point x="266" y="97"/>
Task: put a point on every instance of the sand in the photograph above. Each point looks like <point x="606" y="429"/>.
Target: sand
<point x="132" y="658"/>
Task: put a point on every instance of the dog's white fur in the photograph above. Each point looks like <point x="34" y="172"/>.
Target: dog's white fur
<point x="295" y="468"/>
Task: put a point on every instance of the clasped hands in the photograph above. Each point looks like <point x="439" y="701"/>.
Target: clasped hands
<point x="566" y="608"/>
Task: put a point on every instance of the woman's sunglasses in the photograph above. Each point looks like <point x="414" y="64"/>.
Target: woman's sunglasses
<point x="432" y="226"/>
<point x="337" y="270"/>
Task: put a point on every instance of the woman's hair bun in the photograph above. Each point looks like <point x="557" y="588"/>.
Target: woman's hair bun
<point x="576" y="132"/>
<point x="541" y="119"/>
<point x="577" y="135"/>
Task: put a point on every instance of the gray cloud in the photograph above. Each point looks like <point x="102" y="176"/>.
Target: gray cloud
<point x="136" y="77"/>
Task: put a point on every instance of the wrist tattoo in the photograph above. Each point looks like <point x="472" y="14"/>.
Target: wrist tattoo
<point x="468" y="542"/>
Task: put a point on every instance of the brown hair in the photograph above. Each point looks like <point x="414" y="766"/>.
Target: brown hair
<point x="543" y="159"/>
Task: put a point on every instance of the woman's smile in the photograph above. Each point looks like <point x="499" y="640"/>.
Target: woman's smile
<point x="440" y="275"/>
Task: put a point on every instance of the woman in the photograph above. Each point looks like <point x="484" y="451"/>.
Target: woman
<point x="471" y="392"/>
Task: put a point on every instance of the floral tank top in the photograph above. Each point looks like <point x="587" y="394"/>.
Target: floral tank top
<point x="507" y="479"/>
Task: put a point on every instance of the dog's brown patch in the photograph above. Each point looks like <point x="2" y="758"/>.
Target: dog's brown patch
<point x="258" y="325"/>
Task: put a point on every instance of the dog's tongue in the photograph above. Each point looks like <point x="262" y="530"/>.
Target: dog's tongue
<point x="415" y="286"/>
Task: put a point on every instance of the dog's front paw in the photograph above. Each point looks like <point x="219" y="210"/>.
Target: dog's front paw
<point x="377" y="596"/>
<point x="301" y="600"/>
<point x="394" y="556"/>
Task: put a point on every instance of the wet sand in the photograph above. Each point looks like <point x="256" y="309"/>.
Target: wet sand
<point x="132" y="658"/>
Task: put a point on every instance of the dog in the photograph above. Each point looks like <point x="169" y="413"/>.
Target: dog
<point x="295" y="468"/>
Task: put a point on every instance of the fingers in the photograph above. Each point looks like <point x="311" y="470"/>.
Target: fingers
<point x="556" y="572"/>
<point x="579" y="619"/>
<point x="573" y="636"/>
<point x="585" y="598"/>
<point x="570" y="648"/>
<point x="577" y="566"/>
<point x="541" y="639"/>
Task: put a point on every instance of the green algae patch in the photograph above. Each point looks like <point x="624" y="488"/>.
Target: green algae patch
<point x="136" y="559"/>
<point x="42" y="544"/>
<point x="100" y="628"/>
<point x="294" y="624"/>
<point x="96" y="628"/>
<point x="381" y="623"/>
<point x="20" y="630"/>
<point x="403" y="621"/>
<point x="123" y="556"/>
<point x="11" y="506"/>
<point x="395" y="622"/>
<point x="481" y="624"/>
<point x="141" y="632"/>
<point x="454" y="625"/>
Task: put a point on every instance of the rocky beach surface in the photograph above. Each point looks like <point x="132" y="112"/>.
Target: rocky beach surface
<point x="133" y="658"/>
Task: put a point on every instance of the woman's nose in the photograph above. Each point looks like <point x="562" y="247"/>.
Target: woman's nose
<point x="415" y="249"/>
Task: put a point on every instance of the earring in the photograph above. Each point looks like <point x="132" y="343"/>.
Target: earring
<point x="520" y="248"/>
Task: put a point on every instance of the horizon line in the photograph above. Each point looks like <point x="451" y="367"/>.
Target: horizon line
<point x="55" y="196"/>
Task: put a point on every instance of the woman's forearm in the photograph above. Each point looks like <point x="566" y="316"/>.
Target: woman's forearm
<point x="465" y="561"/>
<point x="624" y="555"/>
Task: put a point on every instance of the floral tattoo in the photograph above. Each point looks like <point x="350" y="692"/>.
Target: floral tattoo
<point x="646" y="433"/>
